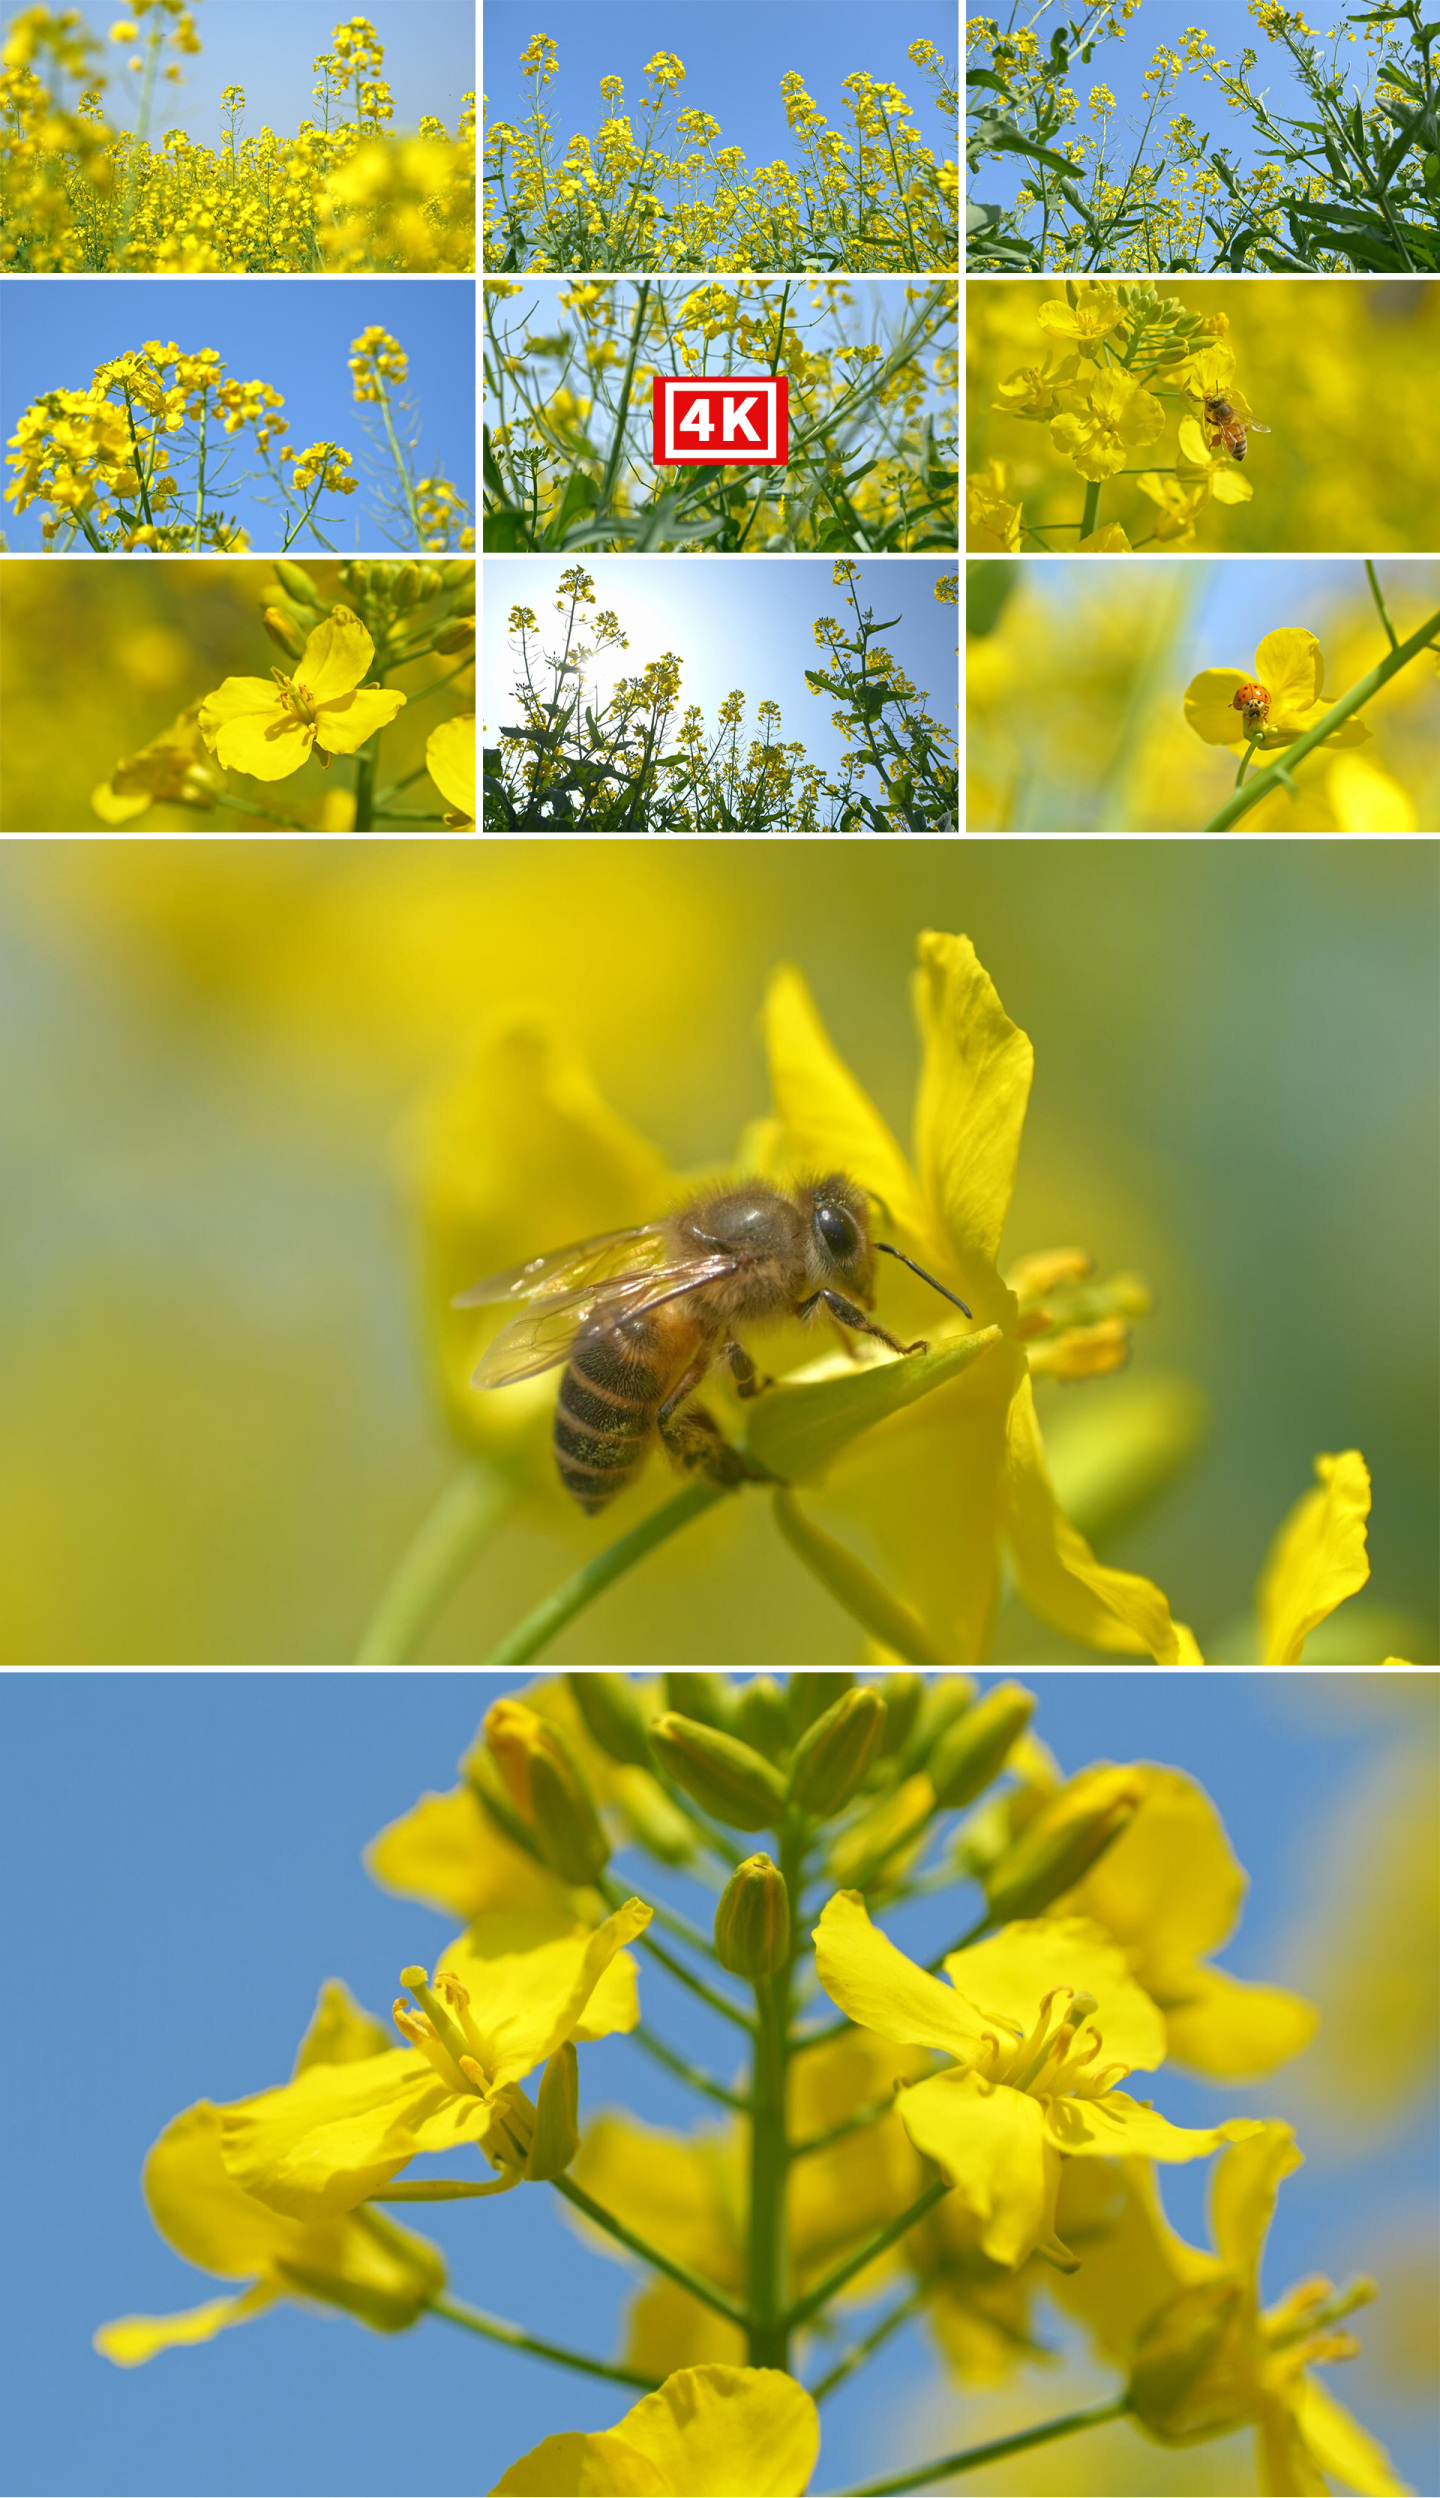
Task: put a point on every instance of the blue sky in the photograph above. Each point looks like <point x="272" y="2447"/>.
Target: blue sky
<point x="735" y="53"/>
<point x="267" y="47"/>
<point x="181" y="1868"/>
<point x="1121" y="65"/>
<point x="295" y="334"/>
<point x="735" y="621"/>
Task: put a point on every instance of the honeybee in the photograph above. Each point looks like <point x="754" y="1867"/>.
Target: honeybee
<point x="638" y="1317"/>
<point x="1229" y="428"/>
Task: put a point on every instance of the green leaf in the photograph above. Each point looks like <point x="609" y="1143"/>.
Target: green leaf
<point x="795" y="1431"/>
<point x="1012" y="145"/>
<point x="987" y="78"/>
<point x="987" y="587"/>
<point x="505" y="533"/>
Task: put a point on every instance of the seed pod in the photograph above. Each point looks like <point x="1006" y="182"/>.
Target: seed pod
<point x="295" y="579"/>
<point x="549" y="1791"/>
<point x="405" y="585"/>
<point x="557" y="2116"/>
<point x="722" y="1775"/>
<point x="705" y="1697"/>
<point x="833" y="1755"/>
<point x="760" y="1717"/>
<point x="285" y="635"/>
<point x="808" y="1696"/>
<point x="752" y="1921"/>
<point x="975" y="1749"/>
<point x="1062" y="1841"/>
<point x="902" y="1694"/>
<point x="613" y="1716"/>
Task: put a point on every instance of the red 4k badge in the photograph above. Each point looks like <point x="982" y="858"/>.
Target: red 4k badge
<point x="743" y="419"/>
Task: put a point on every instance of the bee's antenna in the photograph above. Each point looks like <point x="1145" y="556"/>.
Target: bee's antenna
<point x="924" y="1278"/>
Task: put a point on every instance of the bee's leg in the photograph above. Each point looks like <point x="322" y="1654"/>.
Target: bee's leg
<point x="694" y="1438"/>
<point x="849" y="1314"/>
<point x="748" y="1381"/>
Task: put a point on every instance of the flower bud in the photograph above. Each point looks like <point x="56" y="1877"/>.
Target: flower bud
<point x="463" y="602"/>
<point x="705" y="1697"/>
<point x="432" y="581"/>
<point x="493" y="1797"/>
<point x="652" y="1820"/>
<point x="975" y="1749"/>
<point x="613" y="1716"/>
<point x="359" y="577"/>
<point x="942" y="1701"/>
<point x="1176" y="2389"/>
<point x="453" y="576"/>
<point x="285" y="635"/>
<point x="760" y="1716"/>
<point x="295" y="579"/>
<point x="405" y="585"/>
<point x="833" y="1755"/>
<point x="1062" y="1841"/>
<point x="557" y="2116"/>
<point x="549" y="1791"/>
<point x="808" y="1696"/>
<point x="721" y="1774"/>
<point x="752" y="1921"/>
<point x="459" y="636"/>
<point x="902" y="1695"/>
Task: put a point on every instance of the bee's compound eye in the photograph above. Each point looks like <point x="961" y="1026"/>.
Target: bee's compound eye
<point x="838" y="1231"/>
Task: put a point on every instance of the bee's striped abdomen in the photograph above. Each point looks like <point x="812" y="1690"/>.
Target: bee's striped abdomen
<point x="606" y="1411"/>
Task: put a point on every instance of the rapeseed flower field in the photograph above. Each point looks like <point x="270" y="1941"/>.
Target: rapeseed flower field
<point x="1087" y="427"/>
<point x="668" y="198"/>
<point x="873" y="446"/>
<point x="347" y="191"/>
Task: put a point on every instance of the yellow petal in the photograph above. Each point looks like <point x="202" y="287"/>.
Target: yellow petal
<point x="991" y="2143"/>
<point x="340" y="2032"/>
<point x="345" y="723"/>
<point x="1210" y="706"/>
<point x="1294" y="722"/>
<point x="532" y="1987"/>
<point x="1291" y="665"/>
<point x="863" y="1973"/>
<point x="665" y="2329"/>
<point x="1341" y="2449"/>
<point x="1317" y="1559"/>
<point x="727" y="2433"/>
<point x="1118" y="2127"/>
<point x="1232" y="2030"/>
<point x="336" y="656"/>
<point x="602" y="2465"/>
<point x="1365" y="799"/>
<point x="197" y="2206"/>
<point x="1132" y="2262"/>
<point x="447" y="1852"/>
<point x="969" y="1112"/>
<point x="316" y="2147"/>
<point x="112" y="808"/>
<point x="1006" y="1977"/>
<point x="249" y="728"/>
<point x="1169" y="1888"/>
<point x="1059" y="1575"/>
<point x="1228" y="486"/>
<point x="1243" y="2187"/>
<point x="828" y="1121"/>
<point x="133" y="2339"/>
<point x="450" y="761"/>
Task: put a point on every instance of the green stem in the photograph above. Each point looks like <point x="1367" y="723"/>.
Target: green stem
<point x="495" y="2329"/>
<point x="1091" y="511"/>
<point x="557" y="1610"/>
<point x="200" y="478"/>
<point x="1242" y="800"/>
<point x="365" y="762"/>
<point x="684" y="2071"/>
<point x="433" y="1564"/>
<point x="856" y="2356"/>
<point x="1379" y="598"/>
<point x="769" y="2341"/>
<point x="833" y="2282"/>
<point x="401" y="471"/>
<point x="247" y="806"/>
<point x="622" y="413"/>
<point x="1245" y="762"/>
<point x="697" y="2285"/>
<point x="972" y="2457"/>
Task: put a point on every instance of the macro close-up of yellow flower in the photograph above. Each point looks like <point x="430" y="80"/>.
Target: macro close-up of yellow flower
<point x="1278" y="703"/>
<point x="269" y="730"/>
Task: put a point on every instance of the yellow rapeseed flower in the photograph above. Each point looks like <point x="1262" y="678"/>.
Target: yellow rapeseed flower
<point x="1278" y="704"/>
<point x="268" y="730"/>
<point x="706" y="2433"/>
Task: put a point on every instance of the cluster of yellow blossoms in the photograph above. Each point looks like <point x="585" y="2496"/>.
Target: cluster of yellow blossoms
<point x="78" y="194"/>
<point x="875" y="200"/>
<point x="375" y="359"/>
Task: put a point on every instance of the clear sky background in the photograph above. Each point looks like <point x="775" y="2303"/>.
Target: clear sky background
<point x="735" y="53"/>
<point x="1121" y="65"/>
<point x="294" y="333"/>
<point x="735" y="621"/>
<point x="267" y="47"/>
<point x="181" y="1869"/>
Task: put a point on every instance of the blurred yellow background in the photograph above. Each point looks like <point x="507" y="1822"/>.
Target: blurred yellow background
<point x="1344" y="371"/>
<point x="217" y="1435"/>
<point x="96" y="659"/>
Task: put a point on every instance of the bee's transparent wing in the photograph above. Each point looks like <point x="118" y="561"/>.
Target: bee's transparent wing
<point x="1254" y="426"/>
<point x="545" y="1333"/>
<point x="569" y="1270"/>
